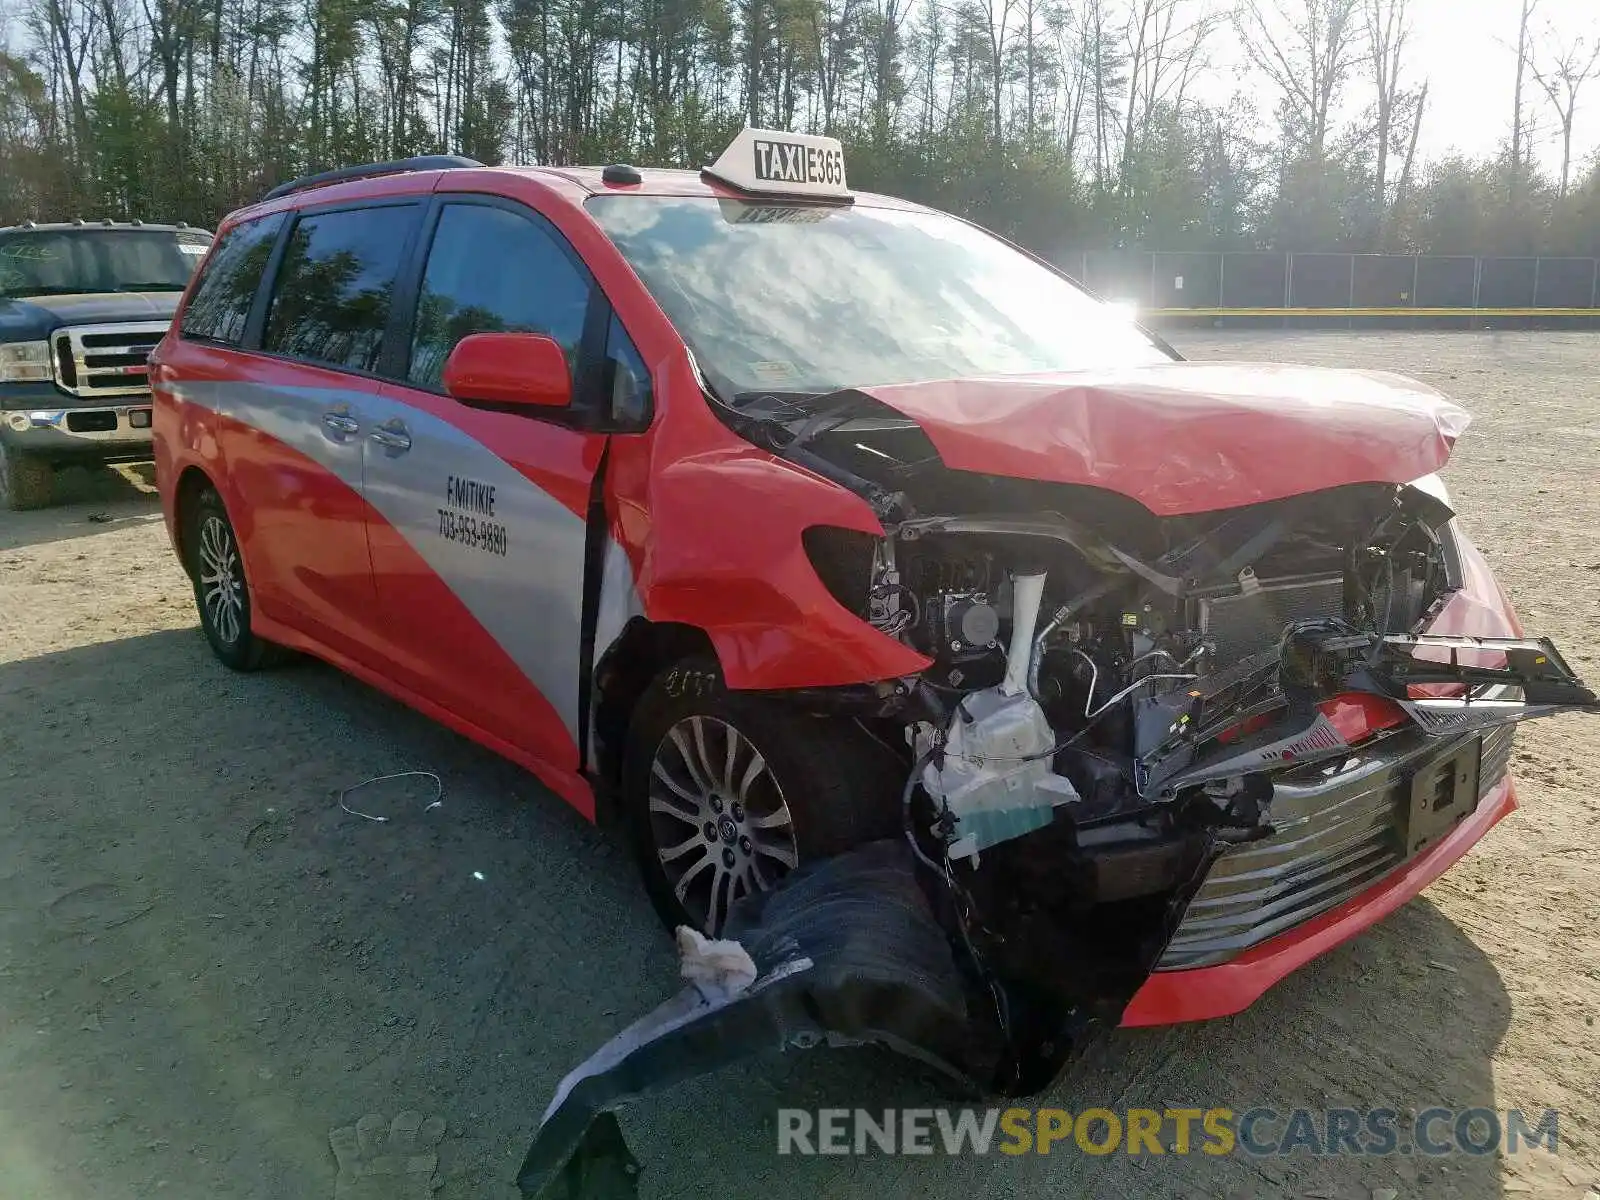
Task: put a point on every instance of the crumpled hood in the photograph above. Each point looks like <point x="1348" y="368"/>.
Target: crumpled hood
<point x="1188" y="437"/>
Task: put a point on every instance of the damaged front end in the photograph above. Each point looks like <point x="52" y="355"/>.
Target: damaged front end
<point x="1144" y="743"/>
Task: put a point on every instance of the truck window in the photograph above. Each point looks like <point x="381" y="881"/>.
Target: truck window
<point x="90" y="260"/>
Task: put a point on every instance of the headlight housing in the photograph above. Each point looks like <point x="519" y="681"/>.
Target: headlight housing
<point x="842" y="559"/>
<point x="25" y="362"/>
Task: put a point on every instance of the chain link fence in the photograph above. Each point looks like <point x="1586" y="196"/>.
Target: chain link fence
<point x="1265" y="287"/>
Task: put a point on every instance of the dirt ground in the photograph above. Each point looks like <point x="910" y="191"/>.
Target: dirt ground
<point x="206" y="965"/>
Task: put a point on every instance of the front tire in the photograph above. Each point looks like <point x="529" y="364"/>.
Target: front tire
<point x="26" y="481"/>
<point x="221" y="591"/>
<point x="725" y="793"/>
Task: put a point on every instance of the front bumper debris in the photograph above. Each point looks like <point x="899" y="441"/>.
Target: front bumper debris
<point x="847" y="953"/>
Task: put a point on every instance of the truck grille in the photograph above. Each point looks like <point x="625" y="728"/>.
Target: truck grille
<point x="1338" y="833"/>
<point x="106" y="360"/>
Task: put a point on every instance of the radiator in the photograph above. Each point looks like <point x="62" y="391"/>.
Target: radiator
<point x="1249" y="622"/>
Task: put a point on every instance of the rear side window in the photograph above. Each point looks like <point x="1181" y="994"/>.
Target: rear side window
<point x="494" y="271"/>
<point x="221" y="302"/>
<point x="330" y="303"/>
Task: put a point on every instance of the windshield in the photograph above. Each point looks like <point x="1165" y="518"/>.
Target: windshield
<point x="50" y="262"/>
<point x="807" y="298"/>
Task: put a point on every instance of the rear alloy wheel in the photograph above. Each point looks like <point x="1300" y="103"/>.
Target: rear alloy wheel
<point x="221" y="590"/>
<point x="25" y="481"/>
<point x="727" y="792"/>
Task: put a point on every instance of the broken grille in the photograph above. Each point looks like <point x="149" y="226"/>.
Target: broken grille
<point x="1338" y="832"/>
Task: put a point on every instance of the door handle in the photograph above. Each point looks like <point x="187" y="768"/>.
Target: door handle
<point x="393" y="436"/>
<point x="338" y="424"/>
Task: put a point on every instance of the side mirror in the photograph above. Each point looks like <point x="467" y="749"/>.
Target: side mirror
<point x="517" y="370"/>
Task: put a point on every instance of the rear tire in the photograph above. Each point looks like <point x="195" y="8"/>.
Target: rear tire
<point x="724" y="792"/>
<point x="221" y="591"/>
<point x="26" y="482"/>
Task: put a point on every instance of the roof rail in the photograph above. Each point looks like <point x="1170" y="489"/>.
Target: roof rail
<point x="422" y="162"/>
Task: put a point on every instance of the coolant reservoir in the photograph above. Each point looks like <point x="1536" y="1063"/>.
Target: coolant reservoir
<point x="996" y="778"/>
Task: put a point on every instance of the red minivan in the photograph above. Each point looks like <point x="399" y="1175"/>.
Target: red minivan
<point x="773" y="521"/>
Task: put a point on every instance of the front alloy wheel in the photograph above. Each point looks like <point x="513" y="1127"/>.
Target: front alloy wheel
<point x="718" y="820"/>
<point x="725" y="792"/>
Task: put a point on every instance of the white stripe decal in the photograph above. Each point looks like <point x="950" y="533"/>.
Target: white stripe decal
<point x="528" y="600"/>
<point x="619" y="604"/>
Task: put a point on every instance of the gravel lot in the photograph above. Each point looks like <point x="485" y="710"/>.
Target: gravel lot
<point x="205" y="965"/>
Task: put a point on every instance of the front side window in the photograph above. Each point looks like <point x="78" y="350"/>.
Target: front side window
<point x="630" y="380"/>
<point x="786" y="297"/>
<point x="330" y="303"/>
<point x="56" y="262"/>
<point x="492" y="270"/>
<point x="221" y="302"/>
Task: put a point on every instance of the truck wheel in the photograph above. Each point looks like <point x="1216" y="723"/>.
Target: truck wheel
<point x="726" y="792"/>
<point x="25" y="481"/>
<point x="221" y="592"/>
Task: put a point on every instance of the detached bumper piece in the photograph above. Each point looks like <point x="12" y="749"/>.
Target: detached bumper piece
<point x="1447" y="685"/>
<point x="846" y="952"/>
<point x="1495" y="680"/>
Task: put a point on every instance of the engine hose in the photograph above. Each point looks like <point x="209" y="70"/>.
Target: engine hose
<point x="1076" y="604"/>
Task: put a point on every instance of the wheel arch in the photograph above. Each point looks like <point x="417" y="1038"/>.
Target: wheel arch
<point x="191" y="484"/>
<point x="622" y="672"/>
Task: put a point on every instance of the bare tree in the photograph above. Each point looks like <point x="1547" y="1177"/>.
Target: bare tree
<point x="1307" y="49"/>
<point x="884" y="63"/>
<point x="834" y="26"/>
<point x="1516" y="99"/>
<point x="992" y="21"/>
<point x="1571" y="65"/>
<point x="1402" y="191"/>
<point x="1164" y="40"/>
<point x="1065" y="123"/>
<point x="1101" y="68"/>
<point x="1387" y="28"/>
<point x="1074" y="83"/>
<point x="71" y="28"/>
<point x="1037" y="16"/>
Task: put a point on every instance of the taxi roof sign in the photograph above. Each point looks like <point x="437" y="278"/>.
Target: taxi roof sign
<point x="771" y="163"/>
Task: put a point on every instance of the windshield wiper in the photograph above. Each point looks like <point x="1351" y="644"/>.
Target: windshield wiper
<point x="778" y="403"/>
<point x="159" y="286"/>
